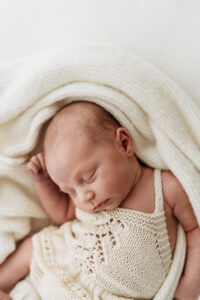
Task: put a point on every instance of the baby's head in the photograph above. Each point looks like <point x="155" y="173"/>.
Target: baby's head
<point x="79" y="119"/>
<point x="89" y="156"/>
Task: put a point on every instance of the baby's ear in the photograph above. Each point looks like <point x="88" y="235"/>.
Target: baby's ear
<point x="124" y="141"/>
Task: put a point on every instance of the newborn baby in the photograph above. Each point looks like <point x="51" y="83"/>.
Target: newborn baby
<point x="118" y="217"/>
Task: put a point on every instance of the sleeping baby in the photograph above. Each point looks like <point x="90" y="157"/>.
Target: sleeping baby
<point x="115" y="218"/>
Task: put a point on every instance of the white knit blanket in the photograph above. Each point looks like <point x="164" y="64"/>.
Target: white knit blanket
<point x="162" y="119"/>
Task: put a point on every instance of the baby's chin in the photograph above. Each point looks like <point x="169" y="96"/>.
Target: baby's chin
<point x="109" y="205"/>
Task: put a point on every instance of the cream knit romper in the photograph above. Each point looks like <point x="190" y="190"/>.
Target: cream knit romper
<point x="116" y="254"/>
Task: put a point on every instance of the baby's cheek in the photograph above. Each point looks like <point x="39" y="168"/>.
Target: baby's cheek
<point x="113" y="183"/>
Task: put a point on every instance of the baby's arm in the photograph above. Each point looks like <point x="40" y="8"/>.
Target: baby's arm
<point x="189" y="284"/>
<point x="16" y="266"/>
<point x="57" y="205"/>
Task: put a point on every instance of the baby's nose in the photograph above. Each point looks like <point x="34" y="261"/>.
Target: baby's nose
<point x="87" y="196"/>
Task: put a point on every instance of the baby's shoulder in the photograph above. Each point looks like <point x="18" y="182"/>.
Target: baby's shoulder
<point x="169" y="180"/>
<point x="178" y="200"/>
<point x="173" y="191"/>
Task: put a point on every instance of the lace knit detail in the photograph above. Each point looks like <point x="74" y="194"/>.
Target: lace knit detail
<point x="92" y="247"/>
<point x="47" y="260"/>
<point x="117" y="253"/>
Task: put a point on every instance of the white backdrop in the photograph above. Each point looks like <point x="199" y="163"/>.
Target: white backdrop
<point x="165" y="32"/>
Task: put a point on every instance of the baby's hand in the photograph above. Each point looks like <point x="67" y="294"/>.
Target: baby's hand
<point x="37" y="168"/>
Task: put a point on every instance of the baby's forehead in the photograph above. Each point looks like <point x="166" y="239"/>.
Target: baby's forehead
<point x="75" y="116"/>
<point x="79" y="119"/>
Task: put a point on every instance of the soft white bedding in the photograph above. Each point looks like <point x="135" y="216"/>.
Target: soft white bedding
<point x="162" y="119"/>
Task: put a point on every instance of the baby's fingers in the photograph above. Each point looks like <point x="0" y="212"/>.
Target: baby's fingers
<point x="34" y="165"/>
<point x="40" y="157"/>
<point x="32" y="168"/>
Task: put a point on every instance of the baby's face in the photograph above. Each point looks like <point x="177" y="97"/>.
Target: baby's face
<point x="95" y="175"/>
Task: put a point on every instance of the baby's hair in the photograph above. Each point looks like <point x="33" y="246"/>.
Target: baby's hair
<point x="80" y="118"/>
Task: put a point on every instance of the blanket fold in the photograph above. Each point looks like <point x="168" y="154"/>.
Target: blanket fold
<point x="163" y="121"/>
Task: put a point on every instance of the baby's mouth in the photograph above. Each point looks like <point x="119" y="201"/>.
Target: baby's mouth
<point x="102" y="204"/>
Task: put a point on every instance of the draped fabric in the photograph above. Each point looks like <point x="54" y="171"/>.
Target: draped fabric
<point x="163" y="121"/>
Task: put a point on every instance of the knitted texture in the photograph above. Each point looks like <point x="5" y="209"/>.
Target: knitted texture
<point x="163" y="121"/>
<point x="118" y="253"/>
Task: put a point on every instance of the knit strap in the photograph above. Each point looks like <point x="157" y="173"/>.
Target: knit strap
<point x="159" y="201"/>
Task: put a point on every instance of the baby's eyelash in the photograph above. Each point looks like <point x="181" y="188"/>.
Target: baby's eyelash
<point x="89" y="175"/>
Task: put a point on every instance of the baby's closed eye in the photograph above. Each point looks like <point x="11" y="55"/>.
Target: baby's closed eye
<point x="89" y="175"/>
